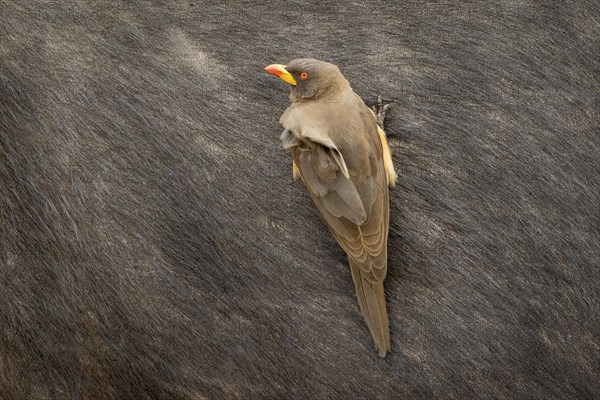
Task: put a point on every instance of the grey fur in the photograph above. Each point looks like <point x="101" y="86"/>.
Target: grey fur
<point x="144" y="238"/>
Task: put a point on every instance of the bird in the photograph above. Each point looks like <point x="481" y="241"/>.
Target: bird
<point x="343" y="158"/>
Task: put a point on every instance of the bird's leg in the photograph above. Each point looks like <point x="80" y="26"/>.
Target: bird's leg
<point x="381" y="110"/>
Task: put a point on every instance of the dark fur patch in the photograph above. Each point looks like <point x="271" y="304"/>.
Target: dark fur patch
<point x="153" y="245"/>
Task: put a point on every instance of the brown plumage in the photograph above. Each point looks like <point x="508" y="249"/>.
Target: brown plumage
<point x="345" y="163"/>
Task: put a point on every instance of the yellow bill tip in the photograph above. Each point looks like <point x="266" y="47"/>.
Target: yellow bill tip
<point x="279" y="71"/>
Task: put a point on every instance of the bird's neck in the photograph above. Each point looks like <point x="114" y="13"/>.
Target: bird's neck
<point x="328" y="92"/>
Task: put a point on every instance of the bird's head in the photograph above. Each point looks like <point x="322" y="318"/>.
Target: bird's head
<point x="309" y="78"/>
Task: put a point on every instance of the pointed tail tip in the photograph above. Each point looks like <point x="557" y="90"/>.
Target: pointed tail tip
<point x="383" y="349"/>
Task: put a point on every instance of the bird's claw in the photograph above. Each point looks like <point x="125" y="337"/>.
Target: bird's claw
<point x="381" y="110"/>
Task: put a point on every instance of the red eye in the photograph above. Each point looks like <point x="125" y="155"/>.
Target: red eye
<point x="303" y="76"/>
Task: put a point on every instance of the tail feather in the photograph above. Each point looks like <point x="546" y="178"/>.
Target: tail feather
<point x="371" y="299"/>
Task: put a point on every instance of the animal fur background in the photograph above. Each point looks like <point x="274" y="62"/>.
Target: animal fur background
<point x="148" y="248"/>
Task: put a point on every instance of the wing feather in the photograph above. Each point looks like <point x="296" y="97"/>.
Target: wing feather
<point x="355" y="204"/>
<point x="356" y="212"/>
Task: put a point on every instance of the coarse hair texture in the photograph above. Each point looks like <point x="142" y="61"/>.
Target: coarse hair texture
<point x="153" y="244"/>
